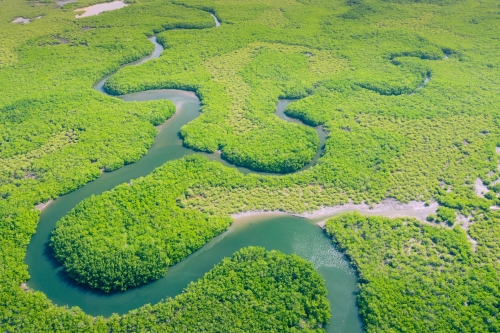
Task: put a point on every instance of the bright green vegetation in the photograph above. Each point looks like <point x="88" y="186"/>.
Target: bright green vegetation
<point x="368" y="159"/>
<point x="357" y="67"/>
<point x="420" y="278"/>
<point x="364" y="83"/>
<point x="254" y="137"/>
<point x="444" y="215"/>
<point x="130" y="235"/>
<point x="254" y="291"/>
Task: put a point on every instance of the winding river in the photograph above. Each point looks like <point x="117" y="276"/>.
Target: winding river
<point x="279" y="232"/>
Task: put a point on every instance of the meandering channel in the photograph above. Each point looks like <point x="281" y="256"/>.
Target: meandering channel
<point x="285" y="233"/>
<point x="180" y="97"/>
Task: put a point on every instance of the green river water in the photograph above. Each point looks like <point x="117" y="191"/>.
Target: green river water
<point x="278" y="232"/>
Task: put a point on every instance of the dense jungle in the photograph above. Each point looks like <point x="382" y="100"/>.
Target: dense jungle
<point x="406" y="93"/>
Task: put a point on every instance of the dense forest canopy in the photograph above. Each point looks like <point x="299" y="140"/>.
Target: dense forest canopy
<point x="420" y="278"/>
<point x="129" y="236"/>
<point x="254" y="291"/>
<point x="407" y="91"/>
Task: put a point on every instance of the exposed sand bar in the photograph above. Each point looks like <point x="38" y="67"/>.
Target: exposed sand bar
<point x="41" y="206"/>
<point x="99" y="8"/>
<point x="21" y="20"/>
<point x="387" y="208"/>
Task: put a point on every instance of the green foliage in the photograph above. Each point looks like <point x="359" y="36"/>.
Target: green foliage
<point x="157" y="111"/>
<point x="130" y="235"/>
<point x="358" y="67"/>
<point x="431" y="217"/>
<point x="445" y="214"/>
<point x="490" y="195"/>
<point x="419" y="278"/>
<point x="464" y="199"/>
<point x="254" y="291"/>
<point x="495" y="187"/>
<point x="240" y="99"/>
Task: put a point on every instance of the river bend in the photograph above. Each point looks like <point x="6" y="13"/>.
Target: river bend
<point x="284" y="233"/>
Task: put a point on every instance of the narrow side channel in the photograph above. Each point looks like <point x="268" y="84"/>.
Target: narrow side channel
<point x="149" y="95"/>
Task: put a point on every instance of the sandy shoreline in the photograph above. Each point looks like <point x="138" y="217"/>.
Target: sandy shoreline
<point x="258" y="212"/>
<point x="41" y="206"/>
<point x="387" y="208"/>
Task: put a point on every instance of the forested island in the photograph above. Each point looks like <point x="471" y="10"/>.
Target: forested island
<point x="121" y="159"/>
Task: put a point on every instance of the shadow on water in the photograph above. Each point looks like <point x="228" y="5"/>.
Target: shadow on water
<point x="284" y="233"/>
<point x="63" y="277"/>
<point x="48" y="255"/>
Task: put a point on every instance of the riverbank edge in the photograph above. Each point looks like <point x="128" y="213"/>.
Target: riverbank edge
<point x="387" y="208"/>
